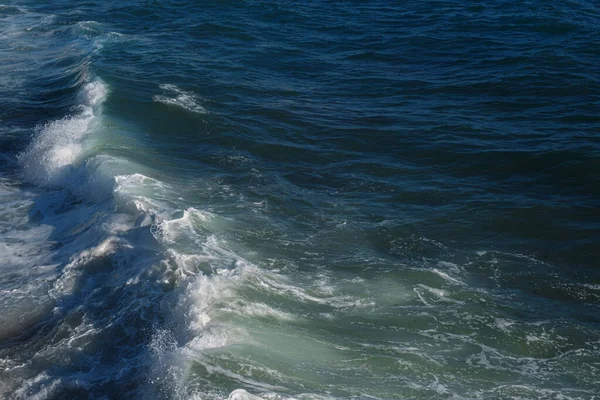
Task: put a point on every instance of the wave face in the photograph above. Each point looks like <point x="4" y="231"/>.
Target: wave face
<point x="270" y="200"/>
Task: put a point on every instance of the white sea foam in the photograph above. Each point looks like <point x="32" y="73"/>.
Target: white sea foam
<point x="58" y="145"/>
<point x="174" y="96"/>
<point x="429" y="295"/>
<point x="241" y="394"/>
<point x="504" y="324"/>
<point x="11" y="8"/>
<point x="76" y="230"/>
<point x="277" y="284"/>
<point x="38" y="388"/>
<point x="447" y="277"/>
<point x="26" y="264"/>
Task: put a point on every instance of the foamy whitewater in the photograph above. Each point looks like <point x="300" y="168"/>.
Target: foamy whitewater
<point x="263" y="200"/>
<point x="103" y="236"/>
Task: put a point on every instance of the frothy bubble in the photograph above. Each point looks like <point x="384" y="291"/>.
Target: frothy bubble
<point x="58" y="145"/>
<point x="174" y="96"/>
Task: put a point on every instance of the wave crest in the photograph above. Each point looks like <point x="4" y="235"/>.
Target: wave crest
<point x="174" y="96"/>
<point x="58" y="145"/>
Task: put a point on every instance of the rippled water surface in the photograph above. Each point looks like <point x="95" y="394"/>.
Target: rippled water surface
<point x="308" y="200"/>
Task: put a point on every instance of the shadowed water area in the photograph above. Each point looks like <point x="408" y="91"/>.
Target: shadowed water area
<point x="299" y="200"/>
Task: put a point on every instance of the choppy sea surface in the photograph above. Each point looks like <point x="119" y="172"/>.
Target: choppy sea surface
<point x="299" y="200"/>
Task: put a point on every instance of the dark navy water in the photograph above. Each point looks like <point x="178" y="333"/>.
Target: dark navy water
<point x="299" y="200"/>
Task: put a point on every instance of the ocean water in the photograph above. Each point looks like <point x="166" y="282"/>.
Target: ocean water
<point x="299" y="200"/>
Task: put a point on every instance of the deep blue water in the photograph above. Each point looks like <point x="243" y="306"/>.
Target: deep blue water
<point x="308" y="200"/>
